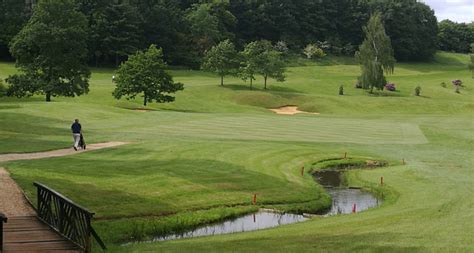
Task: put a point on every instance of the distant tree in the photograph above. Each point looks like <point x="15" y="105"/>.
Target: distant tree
<point x="144" y="74"/>
<point x="259" y="57"/>
<point x="13" y="16"/>
<point x="117" y="31"/>
<point x="51" y="52"/>
<point x="221" y="59"/>
<point x="208" y="22"/>
<point x="375" y="55"/>
<point x="412" y="27"/>
<point x="455" y="37"/>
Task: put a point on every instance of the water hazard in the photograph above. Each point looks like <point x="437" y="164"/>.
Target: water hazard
<point x="344" y="200"/>
<point x="260" y="220"/>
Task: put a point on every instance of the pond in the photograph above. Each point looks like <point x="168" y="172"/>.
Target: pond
<point x="343" y="201"/>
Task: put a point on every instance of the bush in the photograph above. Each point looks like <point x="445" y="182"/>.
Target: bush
<point x="341" y="90"/>
<point x="390" y="87"/>
<point x="443" y="84"/>
<point x="281" y="47"/>
<point x="313" y="51"/>
<point x="3" y="89"/>
<point x="457" y="82"/>
<point x="417" y="90"/>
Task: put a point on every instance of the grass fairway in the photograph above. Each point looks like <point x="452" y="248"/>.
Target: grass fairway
<point x="201" y="158"/>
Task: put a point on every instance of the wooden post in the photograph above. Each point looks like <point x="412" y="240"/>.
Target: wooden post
<point x="381" y="180"/>
<point x="3" y="219"/>
<point x="403" y="161"/>
<point x="254" y="200"/>
<point x="354" y="208"/>
<point x="254" y="218"/>
<point x="345" y="155"/>
<point x="302" y="171"/>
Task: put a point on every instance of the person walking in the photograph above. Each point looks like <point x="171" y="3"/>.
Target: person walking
<point x="76" y="133"/>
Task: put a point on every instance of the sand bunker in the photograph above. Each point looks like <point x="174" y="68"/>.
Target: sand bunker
<point x="289" y="110"/>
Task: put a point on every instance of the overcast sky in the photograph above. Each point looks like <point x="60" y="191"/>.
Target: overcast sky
<point x="455" y="10"/>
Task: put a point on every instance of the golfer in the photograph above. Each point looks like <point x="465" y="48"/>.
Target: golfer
<point x="76" y="133"/>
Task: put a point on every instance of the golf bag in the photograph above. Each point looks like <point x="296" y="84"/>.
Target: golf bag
<point x="82" y="142"/>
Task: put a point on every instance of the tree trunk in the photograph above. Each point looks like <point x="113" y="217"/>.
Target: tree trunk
<point x="116" y="60"/>
<point x="48" y="96"/>
<point x="265" y="77"/>
<point x="251" y="83"/>
<point x="222" y="80"/>
<point x="144" y="100"/>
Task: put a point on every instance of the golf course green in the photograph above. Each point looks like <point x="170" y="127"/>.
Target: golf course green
<point x="201" y="158"/>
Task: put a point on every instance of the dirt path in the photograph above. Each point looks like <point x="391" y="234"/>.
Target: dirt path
<point x="12" y="200"/>
<point x="56" y="153"/>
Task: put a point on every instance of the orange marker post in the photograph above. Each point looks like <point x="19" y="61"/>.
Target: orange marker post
<point x="254" y="200"/>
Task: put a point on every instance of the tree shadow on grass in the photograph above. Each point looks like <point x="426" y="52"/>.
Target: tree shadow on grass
<point x="270" y="89"/>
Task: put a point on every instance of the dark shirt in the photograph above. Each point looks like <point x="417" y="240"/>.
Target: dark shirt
<point x="76" y="128"/>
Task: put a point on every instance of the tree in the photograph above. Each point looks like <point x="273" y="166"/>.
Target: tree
<point x="117" y="31"/>
<point x="221" y="59"/>
<point x="375" y="55"/>
<point x="412" y="26"/>
<point x="455" y="37"/>
<point x="259" y="57"/>
<point x="51" y="52"/>
<point x="13" y="16"/>
<point x="144" y="73"/>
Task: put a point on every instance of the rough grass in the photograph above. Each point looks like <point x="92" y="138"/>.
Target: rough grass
<point x="216" y="146"/>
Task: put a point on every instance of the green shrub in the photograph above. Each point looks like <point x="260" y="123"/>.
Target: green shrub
<point x="417" y="90"/>
<point x="341" y="90"/>
<point x="443" y="84"/>
<point x="313" y="51"/>
<point x="3" y="89"/>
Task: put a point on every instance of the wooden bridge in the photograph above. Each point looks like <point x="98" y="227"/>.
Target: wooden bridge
<point x="61" y="226"/>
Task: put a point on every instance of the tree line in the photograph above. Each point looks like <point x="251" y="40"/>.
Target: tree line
<point x="186" y="29"/>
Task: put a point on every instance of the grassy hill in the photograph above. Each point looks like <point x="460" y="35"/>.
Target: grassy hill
<point x="201" y="158"/>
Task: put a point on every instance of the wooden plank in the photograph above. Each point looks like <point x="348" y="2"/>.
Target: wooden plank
<point x="28" y="234"/>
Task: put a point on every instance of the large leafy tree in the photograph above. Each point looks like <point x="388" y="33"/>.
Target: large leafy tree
<point x="375" y="55"/>
<point x="51" y="52"/>
<point x="144" y="74"/>
<point x="259" y="57"/>
<point x="412" y="26"/>
<point x="221" y="59"/>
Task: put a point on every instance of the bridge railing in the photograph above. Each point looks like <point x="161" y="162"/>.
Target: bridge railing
<point x="66" y="217"/>
<point x="3" y="219"/>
